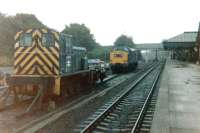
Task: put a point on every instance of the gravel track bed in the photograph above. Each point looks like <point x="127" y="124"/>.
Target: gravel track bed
<point x="145" y="125"/>
<point x="70" y="120"/>
<point x="127" y="108"/>
<point x="8" y="119"/>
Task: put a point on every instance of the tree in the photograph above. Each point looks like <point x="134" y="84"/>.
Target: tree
<point x="124" y="40"/>
<point x="100" y="52"/>
<point x="81" y="35"/>
<point x="9" y="25"/>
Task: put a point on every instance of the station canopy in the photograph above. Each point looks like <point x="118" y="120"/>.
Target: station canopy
<point x="184" y="40"/>
<point x="149" y="46"/>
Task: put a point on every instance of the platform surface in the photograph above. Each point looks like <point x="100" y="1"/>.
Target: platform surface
<point x="178" y="105"/>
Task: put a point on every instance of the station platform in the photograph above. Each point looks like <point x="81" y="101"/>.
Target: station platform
<point x="178" y="104"/>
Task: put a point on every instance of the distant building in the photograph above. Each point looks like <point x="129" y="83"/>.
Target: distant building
<point x="152" y="51"/>
<point x="183" y="46"/>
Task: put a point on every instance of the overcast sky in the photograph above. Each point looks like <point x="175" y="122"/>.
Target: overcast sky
<point x="146" y="21"/>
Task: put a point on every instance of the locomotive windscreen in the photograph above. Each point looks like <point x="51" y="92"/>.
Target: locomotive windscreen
<point x="118" y="55"/>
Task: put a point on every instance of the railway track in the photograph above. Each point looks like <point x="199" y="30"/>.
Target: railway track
<point x="5" y="105"/>
<point x="52" y="116"/>
<point x="145" y="125"/>
<point x="110" y="77"/>
<point x="125" y="112"/>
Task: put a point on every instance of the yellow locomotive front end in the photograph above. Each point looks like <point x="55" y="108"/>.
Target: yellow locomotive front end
<point x="36" y="62"/>
<point x="118" y="57"/>
<point x="48" y="67"/>
<point x="36" y="52"/>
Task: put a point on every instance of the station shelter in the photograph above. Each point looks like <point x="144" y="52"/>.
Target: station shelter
<point x="183" y="46"/>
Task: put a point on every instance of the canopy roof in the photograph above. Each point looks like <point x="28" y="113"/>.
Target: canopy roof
<point x="184" y="40"/>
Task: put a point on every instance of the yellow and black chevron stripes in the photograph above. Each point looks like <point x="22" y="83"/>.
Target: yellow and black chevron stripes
<point x="44" y="30"/>
<point x="17" y="35"/>
<point x="36" y="63"/>
<point x="51" y="52"/>
<point x="40" y="58"/>
<point x="29" y="30"/>
<point x="36" y="33"/>
<point x="36" y="59"/>
<point x="56" y="35"/>
<point x="21" y="54"/>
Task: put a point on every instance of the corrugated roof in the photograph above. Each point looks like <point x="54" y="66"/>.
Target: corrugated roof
<point x="184" y="37"/>
<point x="150" y="46"/>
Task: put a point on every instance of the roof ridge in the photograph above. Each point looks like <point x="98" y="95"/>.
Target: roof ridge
<point x="191" y="32"/>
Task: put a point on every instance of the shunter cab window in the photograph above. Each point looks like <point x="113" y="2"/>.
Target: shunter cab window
<point x="25" y="40"/>
<point x="47" y="40"/>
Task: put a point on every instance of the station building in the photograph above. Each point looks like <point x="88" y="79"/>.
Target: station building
<point x="183" y="46"/>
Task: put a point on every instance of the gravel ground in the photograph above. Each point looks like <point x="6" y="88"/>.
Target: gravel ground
<point x="8" y="117"/>
<point x="129" y="105"/>
<point x="69" y="121"/>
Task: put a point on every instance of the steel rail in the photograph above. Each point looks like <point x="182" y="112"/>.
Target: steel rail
<point x="75" y="104"/>
<point x="110" y="78"/>
<point x="145" y="105"/>
<point x="92" y="124"/>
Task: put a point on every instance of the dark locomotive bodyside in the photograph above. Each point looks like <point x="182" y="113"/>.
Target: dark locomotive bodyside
<point x="123" y="59"/>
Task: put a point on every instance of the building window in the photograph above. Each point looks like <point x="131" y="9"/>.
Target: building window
<point x="47" y="40"/>
<point x="25" y="40"/>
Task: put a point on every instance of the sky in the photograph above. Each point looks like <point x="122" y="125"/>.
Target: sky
<point x="146" y="21"/>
